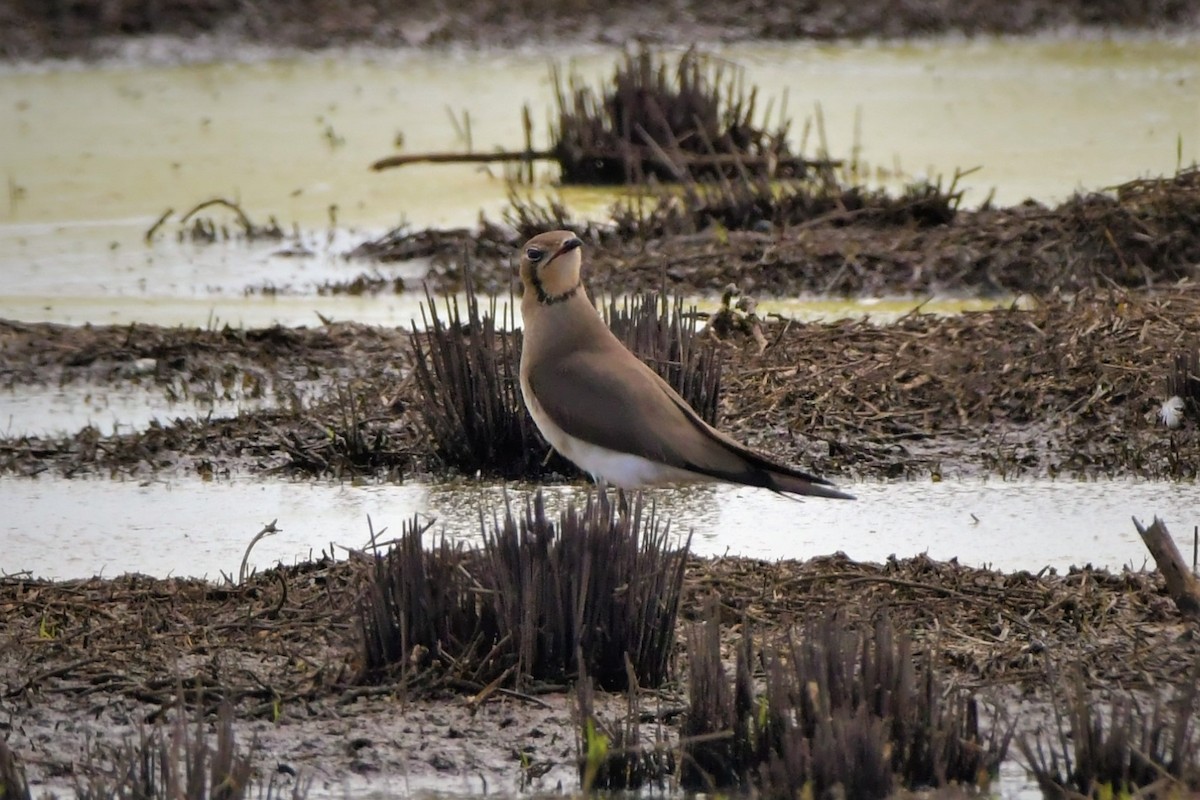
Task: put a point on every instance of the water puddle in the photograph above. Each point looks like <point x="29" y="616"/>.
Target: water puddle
<point x="404" y="309"/>
<point x="191" y="527"/>
<point x="293" y="137"/>
<point x="51" y="411"/>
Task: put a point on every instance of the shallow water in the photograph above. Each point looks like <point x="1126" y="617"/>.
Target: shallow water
<point x="92" y="155"/>
<point x="63" y="529"/>
<point x="293" y="135"/>
<point x="402" y="310"/>
<point x="50" y="411"/>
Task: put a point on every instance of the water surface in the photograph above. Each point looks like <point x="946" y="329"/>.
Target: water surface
<point x="62" y="529"/>
<point x="92" y="155"/>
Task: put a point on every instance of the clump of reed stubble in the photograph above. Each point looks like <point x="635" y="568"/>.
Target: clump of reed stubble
<point x="654" y="115"/>
<point x="180" y="764"/>
<point x="466" y="370"/>
<point x="748" y="202"/>
<point x="842" y="711"/>
<point x="663" y="334"/>
<point x="1127" y="751"/>
<point x="542" y="600"/>
<point x="421" y="604"/>
<point x="1183" y="378"/>
<point x="613" y="755"/>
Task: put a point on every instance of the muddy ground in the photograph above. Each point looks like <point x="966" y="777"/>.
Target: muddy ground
<point x="95" y="658"/>
<point x="1066" y="381"/>
<point x="815" y="236"/>
<point x="1066" y="387"/>
<point x="89" y="28"/>
<point x="1059" y="384"/>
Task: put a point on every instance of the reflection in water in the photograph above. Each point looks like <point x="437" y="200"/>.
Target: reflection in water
<point x="60" y="528"/>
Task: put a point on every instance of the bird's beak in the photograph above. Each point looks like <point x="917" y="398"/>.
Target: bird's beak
<point x="570" y="244"/>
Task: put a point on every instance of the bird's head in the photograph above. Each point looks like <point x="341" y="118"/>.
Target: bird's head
<point x="550" y="266"/>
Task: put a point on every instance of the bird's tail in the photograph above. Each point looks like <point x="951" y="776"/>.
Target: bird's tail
<point x="800" y="483"/>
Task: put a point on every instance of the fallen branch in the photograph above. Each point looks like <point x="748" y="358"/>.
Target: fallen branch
<point x="1181" y="583"/>
<point x="680" y="159"/>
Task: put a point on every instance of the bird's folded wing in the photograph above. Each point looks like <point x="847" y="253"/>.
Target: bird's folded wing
<point x="619" y="403"/>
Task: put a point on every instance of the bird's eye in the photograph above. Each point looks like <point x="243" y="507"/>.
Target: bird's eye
<point x="534" y="255"/>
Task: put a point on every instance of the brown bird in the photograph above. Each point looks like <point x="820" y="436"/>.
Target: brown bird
<point x="606" y="411"/>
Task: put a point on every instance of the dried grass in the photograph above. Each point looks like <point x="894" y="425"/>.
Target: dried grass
<point x="1122" y="751"/>
<point x="842" y="711"/>
<point x="654" y="119"/>
<point x="601" y="584"/>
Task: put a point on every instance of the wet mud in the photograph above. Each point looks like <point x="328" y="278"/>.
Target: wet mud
<point x="1070" y="382"/>
<point x="1067" y="387"/>
<point x="32" y="29"/>
<point x="79" y="657"/>
<point x="1062" y="384"/>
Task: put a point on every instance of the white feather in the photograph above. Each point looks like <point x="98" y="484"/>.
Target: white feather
<point x="1171" y="413"/>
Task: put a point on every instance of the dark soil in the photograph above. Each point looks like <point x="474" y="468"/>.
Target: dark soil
<point x="35" y="29"/>
<point x="1066" y="387"/>
<point x="80" y="656"/>
<point x="815" y="238"/>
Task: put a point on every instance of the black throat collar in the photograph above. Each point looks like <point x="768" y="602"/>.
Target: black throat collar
<point x="547" y="299"/>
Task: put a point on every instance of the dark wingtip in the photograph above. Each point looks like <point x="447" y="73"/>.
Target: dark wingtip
<point x="834" y="494"/>
<point x="805" y="485"/>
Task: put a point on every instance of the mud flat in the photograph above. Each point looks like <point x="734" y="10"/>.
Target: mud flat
<point x="33" y="30"/>
<point x="1067" y="387"/>
<point x="1072" y="380"/>
<point x="97" y="657"/>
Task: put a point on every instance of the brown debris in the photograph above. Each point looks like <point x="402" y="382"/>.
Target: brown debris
<point x="1182" y="584"/>
<point x="293" y="628"/>
<point x="1143" y="237"/>
<point x="281" y="646"/>
<point x="819" y="236"/>
<point x="278" y="639"/>
<point x="1068" y="387"/>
